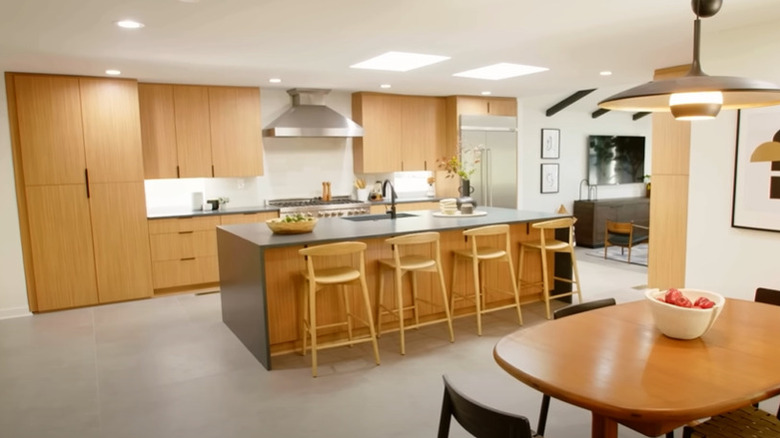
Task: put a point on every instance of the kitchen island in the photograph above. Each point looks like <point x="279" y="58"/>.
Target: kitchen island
<point x="261" y="285"/>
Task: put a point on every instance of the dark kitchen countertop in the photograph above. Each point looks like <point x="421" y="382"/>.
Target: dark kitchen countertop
<point x="340" y="229"/>
<point x="180" y="213"/>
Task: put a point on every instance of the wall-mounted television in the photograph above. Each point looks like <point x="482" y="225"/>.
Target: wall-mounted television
<point x="615" y="159"/>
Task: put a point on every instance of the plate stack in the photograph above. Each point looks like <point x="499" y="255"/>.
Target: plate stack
<point x="448" y="206"/>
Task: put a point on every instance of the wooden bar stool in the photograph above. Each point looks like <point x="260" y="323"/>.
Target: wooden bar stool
<point x="412" y="253"/>
<point x="478" y="255"/>
<point x="318" y="278"/>
<point x="545" y="245"/>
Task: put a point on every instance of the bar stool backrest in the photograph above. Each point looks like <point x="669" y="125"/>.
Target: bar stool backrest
<point x="431" y="237"/>
<point x="555" y="224"/>
<point x="334" y="249"/>
<point x="490" y="230"/>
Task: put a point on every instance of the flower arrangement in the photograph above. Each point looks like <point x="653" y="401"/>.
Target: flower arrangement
<point x="464" y="164"/>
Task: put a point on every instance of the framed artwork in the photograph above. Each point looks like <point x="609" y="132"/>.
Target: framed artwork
<point x="549" y="178"/>
<point x="756" y="201"/>
<point x="551" y="143"/>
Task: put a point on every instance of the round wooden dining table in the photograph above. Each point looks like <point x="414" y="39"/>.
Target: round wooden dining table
<point x="614" y="362"/>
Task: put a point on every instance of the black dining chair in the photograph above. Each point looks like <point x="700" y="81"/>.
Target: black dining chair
<point x="479" y="420"/>
<point x="749" y="421"/>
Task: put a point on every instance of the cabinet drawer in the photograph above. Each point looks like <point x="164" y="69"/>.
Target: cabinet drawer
<point x="174" y="246"/>
<point x="174" y="273"/>
<point x="232" y="219"/>
<point x="175" y="225"/>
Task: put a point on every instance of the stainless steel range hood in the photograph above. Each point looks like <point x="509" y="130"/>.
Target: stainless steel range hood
<point x="309" y="117"/>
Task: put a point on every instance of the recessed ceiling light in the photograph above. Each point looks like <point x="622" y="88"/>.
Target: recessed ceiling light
<point x="605" y="73"/>
<point x="499" y="71"/>
<point x="274" y="80"/>
<point x="385" y="86"/>
<point x="399" y="61"/>
<point x="486" y="93"/>
<point x="129" y="24"/>
<point x="113" y="72"/>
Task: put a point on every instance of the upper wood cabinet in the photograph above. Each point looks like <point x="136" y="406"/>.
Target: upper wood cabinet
<point x="401" y="133"/>
<point x="82" y="208"/>
<point x="192" y="131"/>
<point x="236" y="141"/>
<point x="494" y="106"/>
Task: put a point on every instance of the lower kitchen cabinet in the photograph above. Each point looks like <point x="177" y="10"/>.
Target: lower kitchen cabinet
<point x="405" y="206"/>
<point x="184" y="250"/>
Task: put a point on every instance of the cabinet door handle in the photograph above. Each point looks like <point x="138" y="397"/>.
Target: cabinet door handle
<point x="186" y="259"/>
<point x="186" y="232"/>
<point x="86" y="180"/>
<point x="212" y="170"/>
<point x="178" y="175"/>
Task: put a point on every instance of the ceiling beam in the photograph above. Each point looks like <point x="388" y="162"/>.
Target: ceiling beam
<point x="639" y="115"/>
<point x="568" y="101"/>
<point x="599" y="112"/>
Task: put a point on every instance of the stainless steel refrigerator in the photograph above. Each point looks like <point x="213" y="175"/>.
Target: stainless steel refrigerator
<point x="495" y="181"/>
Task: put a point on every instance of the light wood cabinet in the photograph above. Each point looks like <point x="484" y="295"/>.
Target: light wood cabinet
<point x="236" y="142"/>
<point x="405" y="206"/>
<point x="494" y="106"/>
<point x="401" y="133"/>
<point x="184" y="250"/>
<point x="192" y="131"/>
<point x="83" y="212"/>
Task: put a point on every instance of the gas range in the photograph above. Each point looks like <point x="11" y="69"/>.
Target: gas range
<point x="317" y="207"/>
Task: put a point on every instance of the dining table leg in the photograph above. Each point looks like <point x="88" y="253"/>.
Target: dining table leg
<point x="603" y="427"/>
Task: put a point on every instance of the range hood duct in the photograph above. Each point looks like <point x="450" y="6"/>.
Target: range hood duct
<point x="309" y="117"/>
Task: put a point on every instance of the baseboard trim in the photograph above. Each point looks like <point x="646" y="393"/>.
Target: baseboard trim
<point x="14" y="312"/>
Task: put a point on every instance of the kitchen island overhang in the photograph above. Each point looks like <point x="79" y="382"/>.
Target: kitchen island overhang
<point x="260" y="285"/>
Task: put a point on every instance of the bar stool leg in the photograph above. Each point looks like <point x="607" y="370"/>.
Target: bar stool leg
<point x="414" y="299"/>
<point x="367" y="303"/>
<point x="313" y="326"/>
<point x="477" y="293"/>
<point x="380" y="299"/>
<point x="520" y="263"/>
<point x="400" y="309"/>
<point x="305" y="316"/>
<point x="348" y="312"/>
<point x="545" y="283"/>
<point x="444" y="301"/>
<point x="452" y="283"/>
<point x="514" y="287"/>
<point x="576" y="275"/>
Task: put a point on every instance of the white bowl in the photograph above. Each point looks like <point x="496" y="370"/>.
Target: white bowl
<point x="683" y="322"/>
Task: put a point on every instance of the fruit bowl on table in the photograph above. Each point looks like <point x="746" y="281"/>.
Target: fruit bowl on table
<point x="678" y="322"/>
<point x="280" y="226"/>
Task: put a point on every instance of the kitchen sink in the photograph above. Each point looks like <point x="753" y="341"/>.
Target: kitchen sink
<point x="377" y="217"/>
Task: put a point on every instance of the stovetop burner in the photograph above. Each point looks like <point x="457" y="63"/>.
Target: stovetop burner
<point x="317" y="207"/>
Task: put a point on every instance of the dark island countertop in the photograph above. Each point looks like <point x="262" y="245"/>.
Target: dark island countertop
<point x="339" y="229"/>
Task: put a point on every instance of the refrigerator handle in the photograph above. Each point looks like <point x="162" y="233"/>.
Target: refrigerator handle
<point x="489" y="178"/>
<point x="483" y="177"/>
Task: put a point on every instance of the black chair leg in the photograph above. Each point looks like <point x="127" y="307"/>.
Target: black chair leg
<point x="543" y="415"/>
<point x="670" y="434"/>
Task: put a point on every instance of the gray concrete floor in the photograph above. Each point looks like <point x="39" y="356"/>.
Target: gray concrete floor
<point x="168" y="367"/>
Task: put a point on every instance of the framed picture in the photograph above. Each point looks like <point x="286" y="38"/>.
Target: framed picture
<point x="549" y="178"/>
<point x="756" y="202"/>
<point x="551" y="143"/>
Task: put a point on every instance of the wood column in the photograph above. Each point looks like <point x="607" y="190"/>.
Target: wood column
<point x="669" y="195"/>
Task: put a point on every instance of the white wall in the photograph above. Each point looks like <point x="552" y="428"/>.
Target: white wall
<point x="13" y="289"/>
<point x="575" y="124"/>
<point x="728" y="260"/>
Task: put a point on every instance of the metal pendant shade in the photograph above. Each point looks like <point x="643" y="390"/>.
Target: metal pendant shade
<point x="736" y="92"/>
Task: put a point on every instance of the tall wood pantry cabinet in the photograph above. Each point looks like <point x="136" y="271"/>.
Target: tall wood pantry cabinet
<point x="79" y="181"/>
<point x="194" y="131"/>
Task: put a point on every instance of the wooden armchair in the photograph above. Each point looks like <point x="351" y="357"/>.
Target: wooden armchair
<point x="625" y="235"/>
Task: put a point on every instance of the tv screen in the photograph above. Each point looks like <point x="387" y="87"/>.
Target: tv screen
<point x="615" y="159"/>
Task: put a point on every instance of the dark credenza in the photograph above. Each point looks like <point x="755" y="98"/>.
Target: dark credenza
<point x="592" y="217"/>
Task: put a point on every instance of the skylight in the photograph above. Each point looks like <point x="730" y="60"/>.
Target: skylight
<point x="500" y="71"/>
<point x="399" y="61"/>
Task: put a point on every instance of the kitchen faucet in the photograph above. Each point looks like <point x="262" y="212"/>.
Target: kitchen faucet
<point x="392" y="197"/>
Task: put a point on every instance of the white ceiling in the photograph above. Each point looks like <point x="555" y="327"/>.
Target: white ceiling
<point x="311" y="43"/>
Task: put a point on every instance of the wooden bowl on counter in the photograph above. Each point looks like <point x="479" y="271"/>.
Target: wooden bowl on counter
<point x="279" y="226"/>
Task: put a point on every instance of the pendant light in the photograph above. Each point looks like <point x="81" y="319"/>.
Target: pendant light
<point x="696" y="95"/>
